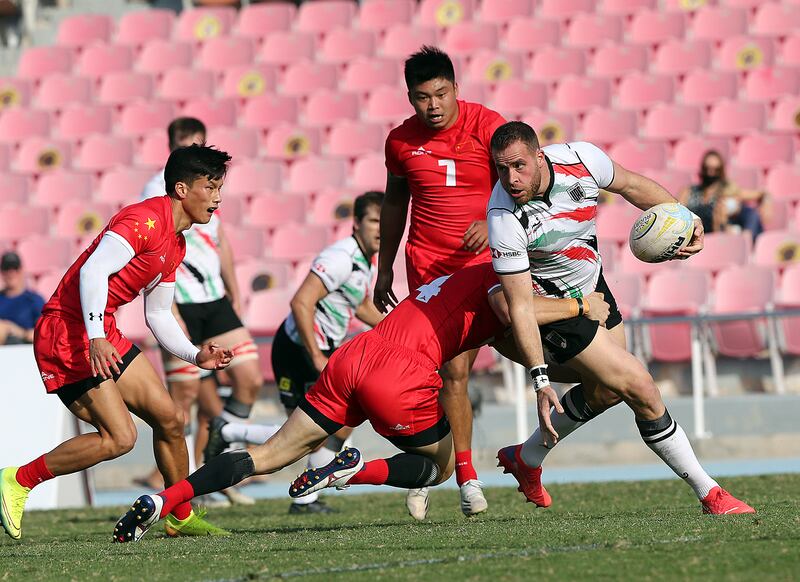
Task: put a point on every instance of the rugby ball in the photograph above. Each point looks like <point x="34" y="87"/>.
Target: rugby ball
<point x="660" y="232"/>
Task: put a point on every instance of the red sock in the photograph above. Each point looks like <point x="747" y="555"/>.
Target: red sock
<point x="176" y="499"/>
<point x="373" y="473"/>
<point x="33" y="473"/>
<point x="464" y="469"/>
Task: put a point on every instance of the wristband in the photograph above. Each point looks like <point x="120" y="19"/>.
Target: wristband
<point x="581" y="309"/>
<point x="539" y="376"/>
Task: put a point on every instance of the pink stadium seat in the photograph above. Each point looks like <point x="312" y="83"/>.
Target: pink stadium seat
<point x="784" y="117"/>
<point x="769" y="85"/>
<point x="320" y="17"/>
<point x="272" y="210"/>
<point x="626" y="7"/>
<point x="306" y="77"/>
<point x="57" y="91"/>
<point x="778" y="216"/>
<point x="41" y="61"/>
<point x="473" y="92"/>
<point x="40" y="155"/>
<point x="257" y="21"/>
<point x="201" y="24"/>
<point x="678" y="57"/>
<point x="733" y="118"/>
<point x="251" y="176"/>
<point x="14" y="92"/>
<point x="17" y="125"/>
<point x="333" y="207"/>
<point x="467" y="37"/>
<point x="43" y="254"/>
<point x="609" y="252"/>
<point x="707" y="87"/>
<point x="363" y="74"/>
<point x="212" y="111"/>
<point x="122" y="186"/>
<point x="313" y="174"/>
<point x="673" y="180"/>
<point x="639" y="155"/>
<point x="341" y="45"/>
<point x="79" y="220"/>
<point x="764" y="150"/>
<point x="127" y="87"/>
<point x="653" y="27"/>
<point x="738" y="290"/>
<point x="5" y="161"/>
<point x="789" y="298"/>
<point x="284" y="48"/>
<point x="673" y="292"/>
<point x="326" y="107"/>
<point x="588" y="30"/>
<point x="254" y="276"/>
<point x="387" y="105"/>
<point x="750" y="5"/>
<point x="84" y="29"/>
<point x="159" y="56"/>
<point x="239" y="142"/>
<point x="140" y="118"/>
<point x="131" y="320"/>
<point x="628" y="289"/>
<point x="552" y="64"/>
<point x="103" y="152"/>
<point x="100" y="59"/>
<point x="685" y="6"/>
<point x="527" y="34"/>
<point x="717" y="23"/>
<point x="551" y="126"/>
<point x="153" y="151"/>
<point x="378" y="15"/>
<point x="504" y="11"/>
<point x="579" y="94"/>
<point x="444" y="13"/>
<point x="266" y="312"/>
<point x="630" y="264"/>
<point x="745" y="53"/>
<point x="19" y="221"/>
<point x="291" y="142"/>
<point x="790" y="51"/>
<point x="246" y="243"/>
<point x="618" y="60"/>
<point x="777" y="248"/>
<point x="671" y="121"/>
<point x="565" y="9"/>
<point x="491" y="67"/>
<point x="744" y="177"/>
<point x="248" y="81"/>
<point x="689" y="151"/>
<point x="268" y="110"/>
<point x="721" y="250"/>
<point x="605" y="126"/>
<point x="403" y="39"/>
<point x="514" y="97"/>
<point x="776" y="19"/>
<point x="220" y="54"/>
<point x="46" y="284"/>
<point x="298" y="241"/>
<point x="185" y="84"/>
<point x="783" y="181"/>
<point x="138" y="27"/>
<point x="369" y="172"/>
<point x="614" y="221"/>
<point x="16" y="187"/>
<point x="640" y="91"/>
<point x="350" y="139"/>
<point x="79" y="121"/>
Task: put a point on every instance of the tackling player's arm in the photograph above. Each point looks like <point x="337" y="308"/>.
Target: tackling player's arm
<point x="227" y="270"/>
<point x="550" y="310"/>
<point x="368" y="313"/>
<point x="304" y="305"/>
<point x="394" y="212"/>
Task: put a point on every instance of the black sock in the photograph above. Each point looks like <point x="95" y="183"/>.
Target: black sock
<point x="334" y="443"/>
<point x="410" y="471"/>
<point x="221" y="472"/>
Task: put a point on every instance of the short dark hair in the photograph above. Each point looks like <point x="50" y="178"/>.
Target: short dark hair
<point x="183" y="127"/>
<point x="189" y="163"/>
<point x="426" y="64"/>
<point x="363" y="202"/>
<point x="512" y="132"/>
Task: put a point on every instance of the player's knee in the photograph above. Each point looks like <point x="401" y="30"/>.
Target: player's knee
<point x="640" y="386"/>
<point x="120" y="441"/>
<point x="445" y="472"/>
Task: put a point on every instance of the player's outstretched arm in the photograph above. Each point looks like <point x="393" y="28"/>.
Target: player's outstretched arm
<point x="549" y="310"/>
<point x="394" y="212"/>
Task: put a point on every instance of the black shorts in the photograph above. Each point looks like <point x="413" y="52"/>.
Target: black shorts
<point x="206" y="320"/>
<point x="294" y="371"/>
<point x="566" y="339"/>
<point x="69" y="393"/>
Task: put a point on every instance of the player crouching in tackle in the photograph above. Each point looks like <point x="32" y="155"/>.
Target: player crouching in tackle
<point x="388" y="376"/>
<point x="96" y="371"/>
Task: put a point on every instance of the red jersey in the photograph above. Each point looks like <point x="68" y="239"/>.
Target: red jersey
<point x="447" y="316"/>
<point x="450" y="176"/>
<point x="148" y="228"/>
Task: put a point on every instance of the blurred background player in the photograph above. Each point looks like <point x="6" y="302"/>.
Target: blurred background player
<point x="439" y="160"/>
<point x="542" y="229"/>
<point x="20" y="307"/>
<point x="207" y="305"/>
<point x="97" y="372"/>
<point x="334" y="291"/>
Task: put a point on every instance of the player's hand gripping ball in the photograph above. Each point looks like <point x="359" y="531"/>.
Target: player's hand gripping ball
<point x="660" y="232"/>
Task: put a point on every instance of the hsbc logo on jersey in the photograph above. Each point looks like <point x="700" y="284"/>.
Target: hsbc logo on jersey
<point x="505" y="254"/>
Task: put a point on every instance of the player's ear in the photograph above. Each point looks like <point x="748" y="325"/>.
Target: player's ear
<point x="455" y="89"/>
<point x="181" y="190"/>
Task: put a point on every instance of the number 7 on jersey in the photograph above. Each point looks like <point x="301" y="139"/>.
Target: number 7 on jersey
<point x="450" y="165"/>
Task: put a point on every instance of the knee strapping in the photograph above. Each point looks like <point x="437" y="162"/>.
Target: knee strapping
<point x="181" y="371"/>
<point x="411" y="471"/>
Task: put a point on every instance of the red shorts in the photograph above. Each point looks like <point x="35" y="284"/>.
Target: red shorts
<point x="395" y="388"/>
<point x="423" y="265"/>
<point x="61" y="349"/>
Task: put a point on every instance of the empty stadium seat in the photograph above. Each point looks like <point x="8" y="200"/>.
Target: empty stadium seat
<point x="333" y="207"/>
<point x="142" y="117"/>
<point x="493" y="67"/>
<point x="777" y="216"/>
<point x="617" y="60"/>
<point x="790" y="51"/>
<point x="465" y="38"/>
<point x="777" y="248"/>
<point x="290" y="142"/>
<point x="84" y="29"/>
<point x="257" y="21"/>
<point x="671" y="179"/>
<point x="378" y="15"/>
<point x="17" y="125"/>
<point x="721" y="250"/>
<point x="306" y="77"/>
<point x="159" y="56"/>
<point x="267" y="310"/>
<point x="671" y="121"/>
<point x="239" y="142"/>
<point x="629" y="264"/>
<point x="62" y="186"/>
<point x="40" y="155"/>
<point x="101" y="59"/>
<point x="122" y="186"/>
<point x="769" y="85"/>
<point x="504" y="11"/>
<point x="251" y="176"/>
<point x="565" y="9"/>
<point x="185" y="84"/>
<point x="514" y="97"/>
<point x="341" y="45"/>
<point x="639" y="155"/>
<point x="40" y="61"/>
<point x="551" y="126"/>
<point x="444" y="13"/>
<point x="614" y="221"/>
<point x="588" y="30"/>
<point x="733" y="118"/>
<point x="298" y="241"/>
<point x="653" y="27"/>
<point x="15" y="92"/>
<point x="153" y="151"/>
<point x="609" y="253"/>
<point x="219" y="54"/>
<point x="640" y="91"/>
<point x="201" y="24"/>
<point x="387" y="105"/>
<point x="326" y="107"/>
<point x="579" y="94"/>
<point x="676" y="57"/>
<point x="266" y="111"/>
<point x="776" y="19"/>
<point x="784" y="117"/>
<point x="717" y="23"/>
<point x="46" y="283"/>
<point x="706" y="87"/>
<point x="320" y="17"/>
<point x="745" y="53"/>
<point x="20" y="221"/>
<point x="789" y="298"/>
<point x="103" y="152"/>
<point x="138" y="27"/>
<point x="783" y="181"/>
<point x="128" y="87"/>
<point x="16" y="187"/>
<point x="350" y="139"/>
<point x="528" y="34"/>
<point x="628" y="290"/>
<point x="213" y="111"/>
<point x="369" y="172"/>
<point x="403" y="39"/>
<point x="272" y="210"/>
<point x="688" y="151"/>
<point x="283" y="48"/>
<point x="625" y="7"/>
<point x="256" y="275"/>
<point x="43" y="254"/>
<point x="248" y="81"/>
<point x="312" y="174"/>
<point x="246" y="242"/>
<point x="80" y="121"/>
<point x="552" y="64"/>
<point x="363" y="74"/>
<point x="57" y="90"/>
<point x="606" y="126"/>
<point x="764" y="150"/>
<point x="131" y="321"/>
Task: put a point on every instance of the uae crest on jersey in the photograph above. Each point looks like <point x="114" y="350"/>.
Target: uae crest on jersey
<point x="576" y="193"/>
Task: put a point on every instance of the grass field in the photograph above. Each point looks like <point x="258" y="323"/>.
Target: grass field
<point x="646" y="530"/>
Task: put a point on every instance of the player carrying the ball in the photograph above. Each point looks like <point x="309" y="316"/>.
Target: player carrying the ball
<point x="99" y="375"/>
<point x="542" y="228"/>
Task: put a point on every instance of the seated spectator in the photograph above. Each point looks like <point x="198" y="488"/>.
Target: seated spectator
<point x="20" y="307"/>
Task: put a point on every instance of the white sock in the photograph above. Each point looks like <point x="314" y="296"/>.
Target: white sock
<point x="576" y="414"/>
<point x="252" y="434"/>
<point x="316" y="459"/>
<point x="189" y="437"/>
<point x="666" y="439"/>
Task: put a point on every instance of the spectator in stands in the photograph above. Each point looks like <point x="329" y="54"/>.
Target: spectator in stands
<point x="721" y="204"/>
<point x="20" y="307"/>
